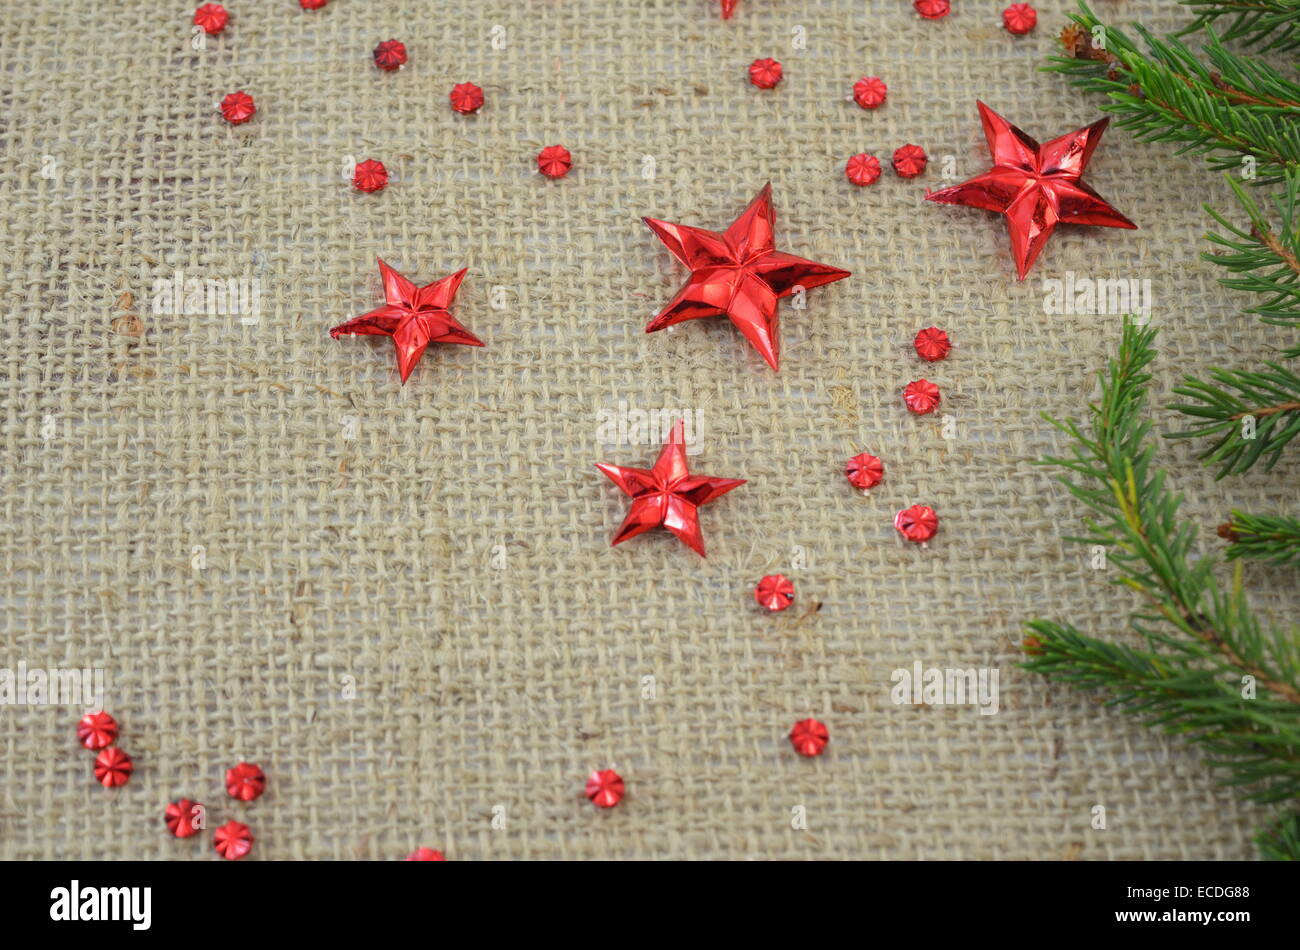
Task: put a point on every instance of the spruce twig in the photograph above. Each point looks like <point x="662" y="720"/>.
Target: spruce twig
<point x="1271" y="538"/>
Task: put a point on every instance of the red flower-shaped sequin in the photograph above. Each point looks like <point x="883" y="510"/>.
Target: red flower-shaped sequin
<point x="184" y="817"/>
<point x="933" y="9"/>
<point x="765" y="73"/>
<point x="245" y="781"/>
<point x="425" y="854"/>
<point x="921" y="396"/>
<point x="390" y="55"/>
<point x="370" y="175"/>
<point x="864" y="471"/>
<point x="862" y="169"/>
<point x="1019" y="18"/>
<point x="918" y="523"/>
<point x="605" y="789"/>
<point x="238" y="107"/>
<point x="554" y="161"/>
<point x="211" y="17"/>
<point x="909" y="161"/>
<point x="869" y="92"/>
<point x="931" y="344"/>
<point x="233" y="840"/>
<point x="809" y="737"/>
<point x="466" y="98"/>
<point x="774" y="592"/>
<point x="113" y="767"/>
<point x="312" y="4"/>
<point x="97" y="730"/>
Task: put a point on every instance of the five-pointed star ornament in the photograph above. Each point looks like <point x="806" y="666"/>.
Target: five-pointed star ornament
<point x="667" y="495"/>
<point x="413" y="316"/>
<point x="1035" y="186"/>
<point x="739" y="274"/>
<point x="728" y="8"/>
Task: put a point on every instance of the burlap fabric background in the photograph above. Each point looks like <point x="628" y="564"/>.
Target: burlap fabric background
<point x="352" y="529"/>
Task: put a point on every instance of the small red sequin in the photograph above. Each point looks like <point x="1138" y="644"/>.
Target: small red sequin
<point x="212" y="17"/>
<point x="933" y="9"/>
<point x="864" y="471"/>
<point x="931" y="344"/>
<point x="370" y="175"/>
<point x="809" y="737"/>
<point x="765" y="73"/>
<point x="233" y="840"/>
<point x="774" y="592"/>
<point x="312" y="4"/>
<point x="466" y="98"/>
<point x="97" y="730"/>
<point x="554" y="161"/>
<point x="918" y="523"/>
<point x="921" y="396"/>
<point x="245" y="781"/>
<point x="390" y="55"/>
<point x="238" y="107"/>
<point x="909" y="161"/>
<point x="113" y="767"/>
<point x="425" y="854"/>
<point x="869" y="92"/>
<point x="605" y="789"/>
<point x="1019" y="18"/>
<point x="862" y="169"/>
<point x="184" y="817"/>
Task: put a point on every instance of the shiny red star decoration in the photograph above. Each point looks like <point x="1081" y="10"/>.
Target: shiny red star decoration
<point x="738" y="274"/>
<point x="728" y="8"/>
<point x="667" y="495"/>
<point x="413" y="316"/>
<point x="1035" y="186"/>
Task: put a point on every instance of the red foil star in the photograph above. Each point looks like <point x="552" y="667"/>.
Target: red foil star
<point x="1035" y="186"/>
<point x="413" y="316"/>
<point x="728" y="8"/>
<point x="738" y="274"/>
<point x="667" y="495"/>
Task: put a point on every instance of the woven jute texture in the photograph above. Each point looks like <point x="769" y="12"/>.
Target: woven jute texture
<point x="402" y="601"/>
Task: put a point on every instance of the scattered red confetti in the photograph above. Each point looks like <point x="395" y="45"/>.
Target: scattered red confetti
<point x="870" y="92"/>
<point x="212" y="17"/>
<point x="1035" y="186"/>
<point x="933" y="9"/>
<point x="554" y="161"/>
<point x="864" y="471"/>
<point x="862" y="169"/>
<point x="184" y="817"/>
<point x="809" y="737"/>
<point x="921" y="396"/>
<point x="370" y="175"/>
<point x="113" y="767"/>
<point x="774" y="592"/>
<point x="918" y="523"/>
<point x="728" y="8"/>
<point x="425" y="854"/>
<point x="390" y="55"/>
<point x="931" y="344"/>
<point x="233" y="840"/>
<point x="413" y="316"/>
<point x="97" y="730"/>
<point x="667" y="495"/>
<point x="765" y="73"/>
<point x="245" y="781"/>
<point x="1019" y="18"/>
<point x="605" y="789"/>
<point x="739" y="274"/>
<point x="466" y="98"/>
<point x="238" y="107"/>
<point x="312" y="4"/>
<point x="909" y="161"/>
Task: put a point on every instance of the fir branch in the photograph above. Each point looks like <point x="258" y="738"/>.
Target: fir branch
<point x="1271" y="24"/>
<point x="1280" y="841"/>
<point x="1254" y="414"/>
<point x="1201" y="640"/>
<point x="1271" y="538"/>
<point x="1233" y="107"/>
